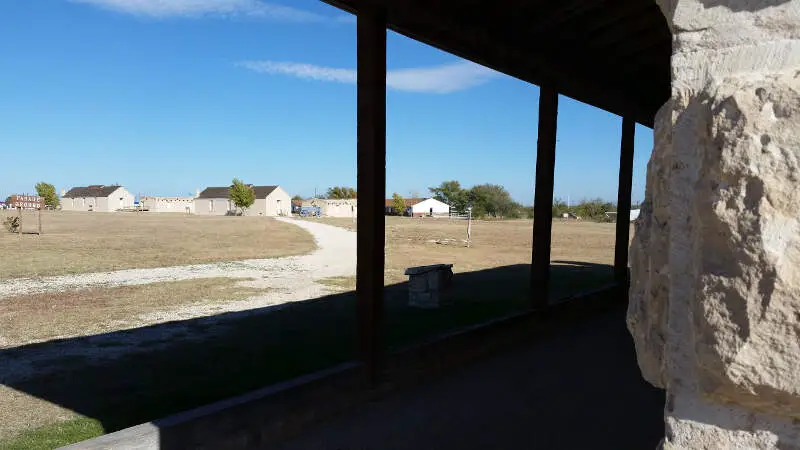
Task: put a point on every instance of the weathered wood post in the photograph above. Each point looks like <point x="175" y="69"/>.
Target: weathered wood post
<point x="623" y="225"/>
<point x="543" y="202"/>
<point x="19" y="214"/>
<point x="40" y="221"/>
<point x="371" y="183"/>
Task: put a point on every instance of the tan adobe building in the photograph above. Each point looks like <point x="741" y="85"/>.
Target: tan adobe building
<point x="270" y="201"/>
<point x="97" y="197"/>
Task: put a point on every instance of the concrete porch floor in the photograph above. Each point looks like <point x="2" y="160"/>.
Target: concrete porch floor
<point x="578" y="388"/>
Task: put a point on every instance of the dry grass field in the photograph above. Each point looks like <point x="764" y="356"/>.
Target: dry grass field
<point x="416" y="242"/>
<point x="38" y="317"/>
<point x="246" y="352"/>
<point x="74" y="242"/>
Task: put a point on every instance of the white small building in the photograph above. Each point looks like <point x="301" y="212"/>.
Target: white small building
<point x="634" y="214"/>
<point x="428" y="207"/>
<point x="97" y="197"/>
<point x="270" y="201"/>
<point x="167" y="204"/>
<point x="332" y="207"/>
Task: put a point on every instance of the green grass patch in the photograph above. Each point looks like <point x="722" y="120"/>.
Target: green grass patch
<point x="55" y="435"/>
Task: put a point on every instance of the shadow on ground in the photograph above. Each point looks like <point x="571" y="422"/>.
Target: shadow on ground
<point x="578" y="388"/>
<point x="217" y="357"/>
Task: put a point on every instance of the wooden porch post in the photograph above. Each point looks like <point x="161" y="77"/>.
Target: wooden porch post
<point x="371" y="185"/>
<point x="624" y="202"/>
<point x="543" y="201"/>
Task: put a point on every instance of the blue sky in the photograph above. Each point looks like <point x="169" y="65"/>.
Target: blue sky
<point x="166" y="97"/>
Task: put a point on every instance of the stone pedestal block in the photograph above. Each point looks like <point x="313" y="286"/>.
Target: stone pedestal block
<point x="426" y="284"/>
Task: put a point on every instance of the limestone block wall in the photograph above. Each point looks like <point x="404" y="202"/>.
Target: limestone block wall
<point x="715" y="290"/>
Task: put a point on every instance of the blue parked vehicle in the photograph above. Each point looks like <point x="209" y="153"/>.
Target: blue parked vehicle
<point x="310" y="211"/>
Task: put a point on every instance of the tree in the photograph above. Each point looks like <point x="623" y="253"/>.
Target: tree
<point x="450" y="192"/>
<point x="527" y="211"/>
<point x="297" y="197"/>
<point x="48" y="192"/>
<point x="493" y="200"/>
<point x="242" y="195"/>
<point x="398" y="204"/>
<point x="341" y="192"/>
<point x="594" y="209"/>
<point x="559" y="207"/>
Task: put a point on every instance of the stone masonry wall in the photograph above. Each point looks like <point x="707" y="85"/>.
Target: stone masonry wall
<point x="715" y="261"/>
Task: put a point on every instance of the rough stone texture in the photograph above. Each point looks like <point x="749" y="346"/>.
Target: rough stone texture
<point x="426" y="284"/>
<point x="715" y="291"/>
<point x="649" y="270"/>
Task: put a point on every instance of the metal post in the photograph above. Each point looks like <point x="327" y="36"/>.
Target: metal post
<point x="543" y="201"/>
<point x="624" y="202"/>
<point x="469" y="226"/>
<point x="40" y="221"/>
<point x="371" y="184"/>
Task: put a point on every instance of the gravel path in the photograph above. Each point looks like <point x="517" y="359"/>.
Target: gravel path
<point x="335" y="256"/>
<point x="289" y="279"/>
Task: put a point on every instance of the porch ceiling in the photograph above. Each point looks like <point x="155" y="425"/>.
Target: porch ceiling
<point x="612" y="54"/>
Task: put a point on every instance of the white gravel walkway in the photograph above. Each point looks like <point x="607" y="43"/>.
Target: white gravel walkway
<point x="335" y="256"/>
<point x="289" y="279"/>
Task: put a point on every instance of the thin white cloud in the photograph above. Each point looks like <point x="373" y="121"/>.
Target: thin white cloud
<point x="442" y="79"/>
<point x="257" y="9"/>
<point x="299" y="70"/>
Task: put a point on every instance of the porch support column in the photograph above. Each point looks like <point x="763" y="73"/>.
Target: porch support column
<point x="624" y="202"/>
<point x="371" y="184"/>
<point x="543" y="201"/>
<point x="714" y="305"/>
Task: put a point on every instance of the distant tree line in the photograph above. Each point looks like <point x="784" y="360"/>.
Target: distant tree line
<point x="492" y="200"/>
<point x="334" y="193"/>
<point x="486" y="200"/>
<point x="591" y="209"/>
<point x="341" y="193"/>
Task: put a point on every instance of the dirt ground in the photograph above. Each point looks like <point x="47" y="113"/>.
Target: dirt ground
<point x="81" y="242"/>
<point x="417" y="242"/>
<point x="32" y="318"/>
<point x="76" y="242"/>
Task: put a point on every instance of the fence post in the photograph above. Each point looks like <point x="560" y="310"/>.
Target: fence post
<point x="469" y="227"/>
<point x="19" y="214"/>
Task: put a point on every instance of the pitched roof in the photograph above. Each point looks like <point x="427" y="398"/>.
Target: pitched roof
<point x="409" y="201"/>
<point x="620" y="63"/>
<point x="222" y="192"/>
<point x="94" y="190"/>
